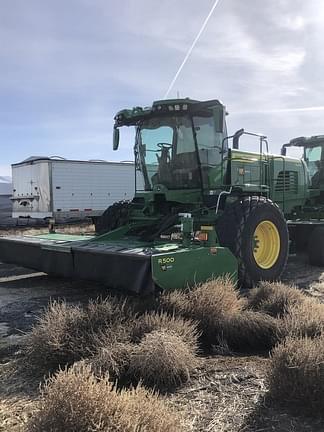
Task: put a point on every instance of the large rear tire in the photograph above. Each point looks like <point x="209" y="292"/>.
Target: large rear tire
<point x="113" y="217"/>
<point x="255" y="231"/>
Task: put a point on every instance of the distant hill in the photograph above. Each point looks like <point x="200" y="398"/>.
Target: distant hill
<point x="5" y="185"/>
<point x="5" y="179"/>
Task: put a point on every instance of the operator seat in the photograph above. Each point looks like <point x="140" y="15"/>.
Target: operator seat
<point x="164" y="172"/>
<point x="318" y="178"/>
<point x="186" y="170"/>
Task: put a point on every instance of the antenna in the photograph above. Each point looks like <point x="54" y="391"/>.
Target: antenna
<point x="191" y="49"/>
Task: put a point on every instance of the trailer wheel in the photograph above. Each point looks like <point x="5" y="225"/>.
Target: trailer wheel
<point x="113" y="217"/>
<point x="316" y="247"/>
<point x="255" y="231"/>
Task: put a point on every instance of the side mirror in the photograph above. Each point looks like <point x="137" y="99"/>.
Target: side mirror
<point x="219" y="117"/>
<point x="115" y="138"/>
<point x="283" y="151"/>
<point x="237" y="137"/>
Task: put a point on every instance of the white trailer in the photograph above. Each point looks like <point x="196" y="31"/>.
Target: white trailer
<point x="63" y="189"/>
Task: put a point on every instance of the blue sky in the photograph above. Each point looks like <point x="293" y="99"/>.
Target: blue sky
<point x="68" y="66"/>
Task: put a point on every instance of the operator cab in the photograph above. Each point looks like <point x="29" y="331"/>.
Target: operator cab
<point x="179" y="143"/>
<point x="313" y="156"/>
<point x="168" y="146"/>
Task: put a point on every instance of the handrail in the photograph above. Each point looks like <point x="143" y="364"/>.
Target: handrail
<point x="262" y="140"/>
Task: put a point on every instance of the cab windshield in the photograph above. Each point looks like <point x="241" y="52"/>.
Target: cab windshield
<point x="314" y="161"/>
<point x="167" y="153"/>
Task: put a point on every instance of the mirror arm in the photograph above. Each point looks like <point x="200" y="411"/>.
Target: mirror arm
<point x="236" y="138"/>
<point x="283" y="150"/>
<point x="115" y="138"/>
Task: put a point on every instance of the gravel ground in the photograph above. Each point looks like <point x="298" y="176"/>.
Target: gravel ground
<point x="227" y="393"/>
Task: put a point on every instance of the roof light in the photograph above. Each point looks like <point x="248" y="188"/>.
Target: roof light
<point x="177" y="107"/>
<point x="159" y="107"/>
<point x="171" y="108"/>
<point x="185" y="107"/>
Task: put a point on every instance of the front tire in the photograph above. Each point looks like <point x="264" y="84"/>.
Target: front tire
<point x="113" y="217"/>
<point x="255" y="231"/>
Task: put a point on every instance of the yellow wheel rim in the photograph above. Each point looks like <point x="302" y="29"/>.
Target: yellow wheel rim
<point x="266" y="244"/>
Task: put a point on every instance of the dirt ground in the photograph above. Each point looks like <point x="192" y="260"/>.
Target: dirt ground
<point x="228" y="393"/>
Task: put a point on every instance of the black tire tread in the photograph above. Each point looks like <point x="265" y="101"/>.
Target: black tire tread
<point x="113" y="217"/>
<point x="231" y="226"/>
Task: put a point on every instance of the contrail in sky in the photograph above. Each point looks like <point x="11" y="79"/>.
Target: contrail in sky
<point x="280" y="110"/>
<point x="191" y="48"/>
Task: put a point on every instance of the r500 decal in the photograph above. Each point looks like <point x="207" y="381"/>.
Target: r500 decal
<point x="166" y="260"/>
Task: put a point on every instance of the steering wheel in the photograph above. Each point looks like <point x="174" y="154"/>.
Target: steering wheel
<point x="165" y="153"/>
<point x="163" y="145"/>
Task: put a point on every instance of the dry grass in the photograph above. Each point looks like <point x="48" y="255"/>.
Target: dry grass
<point x="74" y="401"/>
<point x="142" y="410"/>
<point x="156" y="321"/>
<point x="103" y="332"/>
<point x="208" y="304"/>
<point x="162" y="360"/>
<point x="56" y="338"/>
<point x="221" y="316"/>
<point x="217" y="296"/>
<point x="114" y="357"/>
<point x="112" y="360"/>
<point x="296" y="375"/>
<point x="66" y="333"/>
<point x="274" y="298"/>
<point x="15" y="412"/>
<point x="249" y="331"/>
<point x="304" y="319"/>
<point x="80" y="228"/>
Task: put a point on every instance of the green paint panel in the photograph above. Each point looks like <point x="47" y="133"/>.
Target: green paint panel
<point x="280" y="178"/>
<point x="189" y="266"/>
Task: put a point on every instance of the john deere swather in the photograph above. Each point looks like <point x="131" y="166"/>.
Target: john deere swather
<point x="206" y="209"/>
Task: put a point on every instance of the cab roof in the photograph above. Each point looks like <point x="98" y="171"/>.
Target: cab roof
<point x="306" y="141"/>
<point x="128" y="117"/>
